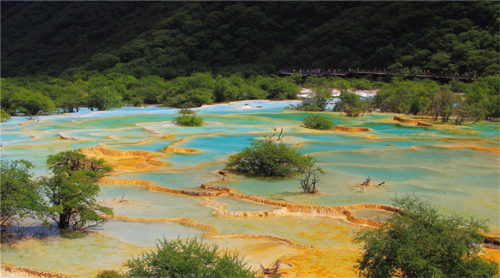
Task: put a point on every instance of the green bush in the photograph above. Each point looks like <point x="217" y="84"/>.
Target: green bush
<point x="108" y="274"/>
<point x="191" y="258"/>
<point x="421" y="242"/>
<point x="269" y="158"/>
<point x="20" y="196"/>
<point x="4" y="116"/>
<point x="318" y="100"/>
<point x="188" y="118"/>
<point x="316" y="121"/>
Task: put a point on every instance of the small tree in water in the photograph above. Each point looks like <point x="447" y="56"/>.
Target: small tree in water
<point x="308" y="177"/>
<point x="420" y="242"/>
<point x="269" y="158"/>
<point x="72" y="190"/>
<point x="315" y="121"/>
<point x="19" y="194"/>
<point x="188" y="117"/>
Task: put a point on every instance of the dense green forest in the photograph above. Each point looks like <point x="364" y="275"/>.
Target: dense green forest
<point x="103" y="55"/>
<point x="170" y="39"/>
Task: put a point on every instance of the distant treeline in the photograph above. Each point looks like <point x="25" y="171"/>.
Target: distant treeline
<point x="43" y="94"/>
<point x="172" y="39"/>
<point x="454" y="101"/>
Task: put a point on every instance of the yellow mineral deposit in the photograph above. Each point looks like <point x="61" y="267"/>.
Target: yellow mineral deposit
<point x="491" y="149"/>
<point x="406" y="121"/>
<point x="322" y="261"/>
<point x="351" y="129"/>
<point x="168" y="137"/>
<point x="180" y="150"/>
<point x="424" y="124"/>
<point x="305" y="261"/>
<point x="298" y="209"/>
<point x="171" y="149"/>
<point x="299" y="260"/>
<point x="25" y="272"/>
<point x="416" y="122"/>
<point x="127" y="160"/>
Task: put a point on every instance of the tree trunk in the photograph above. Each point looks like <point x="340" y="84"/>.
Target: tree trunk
<point x="63" y="221"/>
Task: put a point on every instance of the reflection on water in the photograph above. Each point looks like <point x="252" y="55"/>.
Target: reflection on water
<point x="455" y="167"/>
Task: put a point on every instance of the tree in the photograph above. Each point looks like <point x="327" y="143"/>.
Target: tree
<point x="308" y="178"/>
<point x="350" y="103"/>
<point x="103" y="93"/>
<point x="420" y="242"/>
<point x="316" y="121"/>
<point x="277" y="88"/>
<point x="227" y="89"/>
<point x="269" y="158"/>
<point x="72" y="190"/>
<point x="468" y="112"/>
<point x="32" y="103"/>
<point x="4" y="116"/>
<point x="69" y="162"/>
<point x="484" y="93"/>
<point x="188" y="258"/>
<point x="318" y="100"/>
<point x="443" y="104"/>
<point x="343" y="85"/>
<point x="19" y="191"/>
<point x="192" y="91"/>
<point x="148" y="88"/>
<point x="71" y="97"/>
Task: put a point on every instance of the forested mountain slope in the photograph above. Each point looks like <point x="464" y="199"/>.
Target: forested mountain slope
<point x="171" y="39"/>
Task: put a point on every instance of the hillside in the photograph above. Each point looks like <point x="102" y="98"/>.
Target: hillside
<point x="171" y="39"/>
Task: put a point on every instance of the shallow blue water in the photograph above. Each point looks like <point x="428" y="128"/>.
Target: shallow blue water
<point x="437" y="164"/>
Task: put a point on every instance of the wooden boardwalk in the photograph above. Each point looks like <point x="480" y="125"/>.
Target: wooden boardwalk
<point x="353" y="73"/>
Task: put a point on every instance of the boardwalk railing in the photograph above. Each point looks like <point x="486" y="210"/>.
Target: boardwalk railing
<point x="381" y="73"/>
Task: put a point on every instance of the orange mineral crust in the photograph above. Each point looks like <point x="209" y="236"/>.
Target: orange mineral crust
<point x="491" y="149"/>
<point x="127" y="160"/>
<point x="351" y="129"/>
<point x="180" y="150"/>
<point x="324" y="261"/>
<point x="491" y="254"/>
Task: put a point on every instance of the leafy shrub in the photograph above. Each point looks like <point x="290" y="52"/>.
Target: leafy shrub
<point x="191" y="258"/>
<point x="316" y="121"/>
<point x="421" y="242"/>
<point x="350" y="104"/>
<point x="188" y="118"/>
<point x="20" y="197"/>
<point x="269" y="158"/>
<point x="108" y="274"/>
<point x="4" y="116"/>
